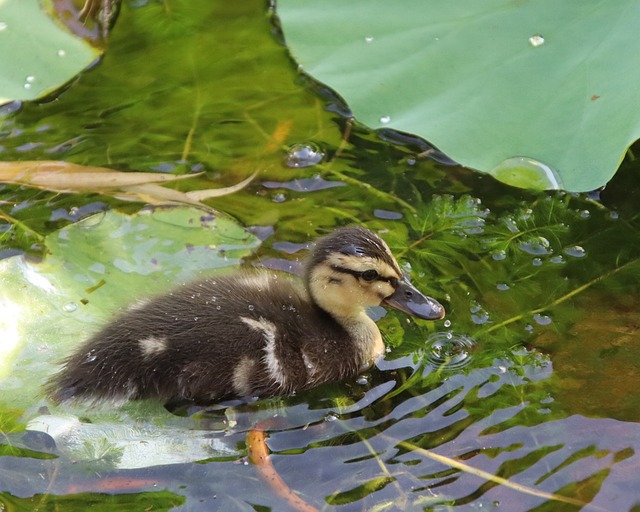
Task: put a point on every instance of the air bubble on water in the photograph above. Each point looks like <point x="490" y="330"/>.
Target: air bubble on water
<point x="542" y="319"/>
<point x="576" y="251"/>
<point x="499" y="255"/>
<point x="479" y="315"/>
<point x="303" y="155"/>
<point x="536" y="40"/>
<point x="536" y="246"/>
<point x="332" y="416"/>
<point x="385" y="119"/>
<point x="363" y="380"/>
<point x="70" y="307"/>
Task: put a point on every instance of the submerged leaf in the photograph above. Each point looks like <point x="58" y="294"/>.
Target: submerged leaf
<point x="60" y="176"/>
<point x="131" y="186"/>
<point x="93" y="267"/>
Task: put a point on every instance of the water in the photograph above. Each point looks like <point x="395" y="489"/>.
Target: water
<point x="527" y="173"/>
<point x="449" y="351"/>
<point x="532" y="375"/>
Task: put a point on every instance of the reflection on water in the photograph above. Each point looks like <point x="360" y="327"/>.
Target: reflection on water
<point x="368" y="445"/>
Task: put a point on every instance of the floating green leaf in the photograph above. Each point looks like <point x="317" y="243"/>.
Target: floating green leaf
<point x="539" y="94"/>
<point x="38" y="56"/>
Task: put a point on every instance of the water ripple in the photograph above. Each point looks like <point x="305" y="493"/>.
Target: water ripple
<point x="449" y="351"/>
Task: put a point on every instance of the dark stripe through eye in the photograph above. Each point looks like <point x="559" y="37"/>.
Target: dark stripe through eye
<point x="368" y="275"/>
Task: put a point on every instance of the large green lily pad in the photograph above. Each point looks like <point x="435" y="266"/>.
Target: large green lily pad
<point x="94" y="267"/>
<point x="38" y="55"/>
<point x="539" y="94"/>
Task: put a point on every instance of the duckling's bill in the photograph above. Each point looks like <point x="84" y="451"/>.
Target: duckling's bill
<point x="408" y="299"/>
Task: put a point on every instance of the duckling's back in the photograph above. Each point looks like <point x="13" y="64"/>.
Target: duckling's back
<point x="256" y="334"/>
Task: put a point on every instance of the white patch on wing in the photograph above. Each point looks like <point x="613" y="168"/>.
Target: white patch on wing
<point x="269" y="332"/>
<point x="153" y="345"/>
<point x="242" y="376"/>
<point x="139" y="304"/>
<point x="260" y="281"/>
<point x="310" y="367"/>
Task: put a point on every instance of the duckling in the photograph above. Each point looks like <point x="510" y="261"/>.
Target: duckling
<point x="252" y="334"/>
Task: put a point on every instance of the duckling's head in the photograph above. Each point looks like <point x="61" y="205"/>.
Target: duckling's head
<point x="353" y="269"/>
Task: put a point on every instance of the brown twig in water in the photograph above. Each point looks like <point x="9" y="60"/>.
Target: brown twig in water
<point x="259" y="456"/>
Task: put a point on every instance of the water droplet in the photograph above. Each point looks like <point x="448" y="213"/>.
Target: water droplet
<point x="30" y="79"/>
<point x="449" y="351"/>
<point x="613" y="215"/>
<point x="385" y="119"/>
<point x="3" y="26"/>
<point x="218" y="308"/>
<point x="576" y="251"/>
<point x="70" y="307"/>
<point x="503" y="287"/>
<point x="536" y="40"/>
<point x="303" y="155"/>
<point x="27" y="86"/>
<point x="537" y="262"/>
<point x="585" y="214"/>
<point x="558" y="260"/>
<point x="368" y="39"/>
<point x="61" y="53"/>
<point x="91" y="356"/>
<point x="527" y="172"/>
<point x="279" y="198"/>
<point x="251" y="307"/>
<point x="542" y="319"/>
<point x="447" y="323"/>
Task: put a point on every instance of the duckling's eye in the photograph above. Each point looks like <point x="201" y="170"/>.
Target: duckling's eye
<point x="370" y="275"/>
